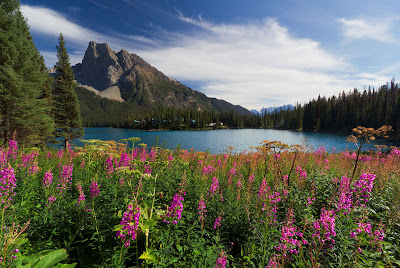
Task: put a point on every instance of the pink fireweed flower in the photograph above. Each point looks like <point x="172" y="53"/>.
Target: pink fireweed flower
<point x="239" y="184"/>
<point x="320" y="151"/>
<point x="251" y="179"/>
<point x="47" y="179"/>
<point x="94" y="189"/>
<point x="8" y="183"/>
<point x="130" y="225"/>
<point x="221" y="261"/>
<point x="310" y="201"/>
<point x="34" y="169"/>
<point x="175" y="209"/>
<point x="48" y="155"/>
<point x="299" y="169"/>
<point x="219" y="162"/>
<point x="291" y="239"/>
<point x="147" y="169"/>
<point x="263" y="190"/>
<point x="202" y="210"/>
<point x="364" y="227"/>
<point x="3" y="159"/>
<point x="170" y="158"/>
<point x="303" y="175"/>
<point x="324" y="228"/>
<point x="208" y="170"/>
<point x="345" y="200"/>
<point x="82" y="165"/>
<point x="214" y="187"/>
<point x="52" y="199"/>
<point x="81" y="197"/>
<point x="124" y="160"/>
<point x="217" y="222"/>
<point x="12" y="149"/>
<point x="60" y="154"/>
<point x="363" y="187"/>
<point x="109" y="166"/>
<point x="273" y="262"/>
<point x="65" y="178"/>
<point x="395" y="152"/>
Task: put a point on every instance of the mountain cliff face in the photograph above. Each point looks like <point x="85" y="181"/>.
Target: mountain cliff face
<point x="127" y="77"/>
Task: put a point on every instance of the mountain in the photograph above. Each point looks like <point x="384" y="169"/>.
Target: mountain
<point x="270" y="110"/>
<point x="126" y="77"/>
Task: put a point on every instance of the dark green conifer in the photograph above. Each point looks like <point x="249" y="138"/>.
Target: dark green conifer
<point x="22" y="80"/>
<point x="66" y="108"/>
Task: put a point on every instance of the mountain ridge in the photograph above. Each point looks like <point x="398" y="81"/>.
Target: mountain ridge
<point x="127" y="77"/>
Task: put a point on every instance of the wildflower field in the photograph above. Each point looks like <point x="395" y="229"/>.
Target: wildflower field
<point x="116" y="205"/>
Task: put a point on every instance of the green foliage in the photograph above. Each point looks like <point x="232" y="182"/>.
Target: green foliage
<point x="44" y="259"/>
<point x="23" y="81"/>
<point x="97" y="191"/>
<point x="66" y="107"/>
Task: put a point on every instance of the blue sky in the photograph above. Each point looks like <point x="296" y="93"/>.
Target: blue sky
<point x="254" y="53"/>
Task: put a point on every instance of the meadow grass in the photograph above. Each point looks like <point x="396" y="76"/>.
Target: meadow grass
<point x="113" y="205"/>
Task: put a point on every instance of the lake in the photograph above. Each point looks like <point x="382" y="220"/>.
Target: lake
<point x="217" y="141"/>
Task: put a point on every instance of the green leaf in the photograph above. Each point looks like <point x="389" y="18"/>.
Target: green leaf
<point x="51" y="259"/>
<point x="148" y="257"/>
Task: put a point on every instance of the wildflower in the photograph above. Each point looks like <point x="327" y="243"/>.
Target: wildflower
<point x="48" y="179"/>
<point x="289" y="235"/>
<point x="81" y="197"/>
<point x="175" y="209"/>
<point x="363" y="187"/>
<point x="60" y="154"/>
<point x="353" y="235"/>
<point x="65" y="178"/>
<point x="202" y="210"/>
<point x="221" y="261"/>
<point x="82" y="165"/>
<point x="12" y="149"/>
<point x="94" y="189"/>
<point x="345" y="195"/>
<point x="251" y="178"/>
<point x="52" y="199"/>
<point x="239" y="184"/>
<point x="7" y="185"/>
<point x="214" y="186"/>
<point x="320" y="151"/>
<point x="147" y="169"/>
<point x="273" y="263"/>
<point x="324" y="228"/>
<point x="310" y="201"/>
<point x="262" y="191"/>
<point x="208" y="170"/>
<point x="130" y="225"/>
<point x="303" y="175"/>
<point x="124" y="160"/>
<point x="109" y="166"/>
<point x="217" y="222"/>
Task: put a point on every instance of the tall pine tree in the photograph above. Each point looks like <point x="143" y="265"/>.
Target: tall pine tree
<point x="22" y="80"/>
<point x="66" y="108"/>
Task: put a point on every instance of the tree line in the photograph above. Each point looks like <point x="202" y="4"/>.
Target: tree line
<point x="369" y="108"/>
<point x="34" y="108"/>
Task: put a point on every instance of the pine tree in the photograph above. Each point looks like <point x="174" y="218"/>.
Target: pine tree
<point x="66" y="108"/>
<point x="22" y="80"/>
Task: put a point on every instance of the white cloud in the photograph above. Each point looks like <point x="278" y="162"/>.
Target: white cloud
<point x="255" y="64"/>
<point x="369" y="29"/>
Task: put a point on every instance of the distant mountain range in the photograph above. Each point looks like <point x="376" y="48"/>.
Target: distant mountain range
<point x="270" y="110"/>
<point x="125" y="77"/>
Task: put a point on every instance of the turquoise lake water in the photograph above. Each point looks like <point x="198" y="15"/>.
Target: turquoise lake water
<point x="217" y="141"/>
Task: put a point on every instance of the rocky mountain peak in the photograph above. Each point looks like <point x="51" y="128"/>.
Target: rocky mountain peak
<point x="125" y="76"/>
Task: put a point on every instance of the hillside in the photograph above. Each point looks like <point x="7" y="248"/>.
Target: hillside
<point x="128" y="78"/>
